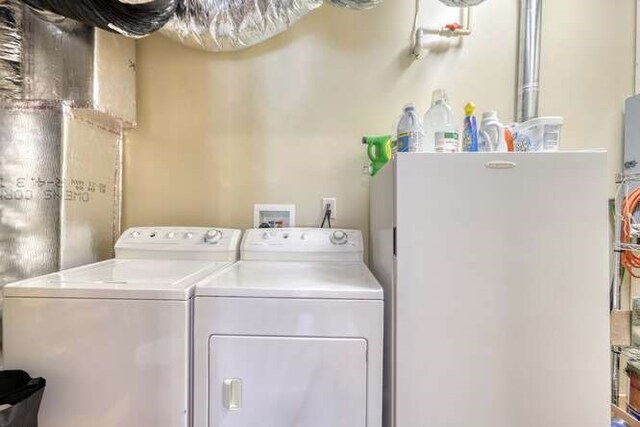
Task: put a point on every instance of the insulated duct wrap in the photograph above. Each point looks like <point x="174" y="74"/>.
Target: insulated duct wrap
<point x="227" y="25"/>
<point x="42" y="59"/>
<point x="462" y="3"/>
<point x="11" y="49"/>
<point x="61" y="59"/>
<point x="356" y="4"/>
<point x="59" y="188"/>
<point x="129" y="19"/>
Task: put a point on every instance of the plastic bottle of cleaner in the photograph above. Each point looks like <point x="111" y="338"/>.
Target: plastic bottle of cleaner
<point x="378" y="151"/>
<point x="492" y="133"/>
<point x="470" y="131"/>
<point x="441" y="134"/>
<point x="410" y="131"/>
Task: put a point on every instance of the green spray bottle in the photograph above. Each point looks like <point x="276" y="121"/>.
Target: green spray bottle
<point x="379" y="151"/>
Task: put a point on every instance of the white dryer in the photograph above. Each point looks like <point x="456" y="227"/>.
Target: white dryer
<point x="291" y="335"/>
<point x="113" y="339"/>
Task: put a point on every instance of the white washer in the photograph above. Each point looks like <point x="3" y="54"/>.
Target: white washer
<point x="291" y="335"/>
<point x="113" y="339"/>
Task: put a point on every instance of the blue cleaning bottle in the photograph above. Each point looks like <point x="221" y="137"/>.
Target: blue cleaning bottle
<point x="470" y="132"/>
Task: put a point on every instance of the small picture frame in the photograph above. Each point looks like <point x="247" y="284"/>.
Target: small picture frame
<point x="274" y="216"/>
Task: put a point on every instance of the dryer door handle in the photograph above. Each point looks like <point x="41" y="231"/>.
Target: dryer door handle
<point x="232" y="393"/>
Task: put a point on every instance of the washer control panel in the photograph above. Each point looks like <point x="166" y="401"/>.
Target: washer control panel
<point x="179" y="243"/>
<point x="310" y="244"/>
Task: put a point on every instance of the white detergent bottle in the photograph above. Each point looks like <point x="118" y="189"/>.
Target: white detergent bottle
<point x="410" y="131"/>
<point x="492" y="133"/>
<point x="441" y="133"/>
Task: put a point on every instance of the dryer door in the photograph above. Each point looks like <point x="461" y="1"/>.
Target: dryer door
<point x="287" y="381"/>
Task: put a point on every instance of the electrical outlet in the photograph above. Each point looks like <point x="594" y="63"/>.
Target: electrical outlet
<point x="331" y="202"/>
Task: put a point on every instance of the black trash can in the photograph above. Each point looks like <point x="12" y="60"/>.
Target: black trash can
<point x="20" y="396"/>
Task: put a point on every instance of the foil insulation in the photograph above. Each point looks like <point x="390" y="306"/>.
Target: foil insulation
<point x="136" y="19"/>
<point x="356" y="4"/>
<point x="59" y="188"/>
<point x="45" y="57"/>
<point x="462" y="3"/>
<point x="228" y="25"/>
<point x="57" y="59"/>
<point x="11" y="49"/>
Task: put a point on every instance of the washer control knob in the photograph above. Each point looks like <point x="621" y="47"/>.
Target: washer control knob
<point x="188" y="235"/>
<point x="212" y="236"/>
<point x="171" y="235"/>
<point x="338" y="237"/>
<point x="135" y="234"/>
<point x="266" y="236"/>
<point x="304" y="236"/>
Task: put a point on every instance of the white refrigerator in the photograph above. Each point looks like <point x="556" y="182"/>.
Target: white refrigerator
<point x="495" y="271"/>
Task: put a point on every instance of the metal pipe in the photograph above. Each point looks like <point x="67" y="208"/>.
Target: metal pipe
<point x="449" y="31"/>
<point x="616" y="295"/>
<point x="453" y="30"/>
<point x="529" y="59"/>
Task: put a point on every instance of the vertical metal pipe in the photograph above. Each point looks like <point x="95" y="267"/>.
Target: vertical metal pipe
<point x="616" y="295"/>
<point x="529" y="59"/>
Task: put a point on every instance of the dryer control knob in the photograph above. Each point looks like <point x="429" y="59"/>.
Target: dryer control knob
<point x="188" y="235"/>
<point x="212" y="236"/>
<point x="135" y="234"/>
<point x="171" y="235"/>
<point x="338" y="237"/>
<point x="266" y="236"/>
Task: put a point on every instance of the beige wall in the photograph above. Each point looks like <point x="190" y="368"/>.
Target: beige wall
<point x="281" y="122"/>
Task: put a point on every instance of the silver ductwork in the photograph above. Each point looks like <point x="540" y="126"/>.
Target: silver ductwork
<point x="43" y="58"/>
<point x="228" y="25"/>
<point x="136" y="19"/>
<point x="461" y="3"/>
<point x="357" y="4"/>
<point x="59" y="188"/>
<point x="529" y="60"/>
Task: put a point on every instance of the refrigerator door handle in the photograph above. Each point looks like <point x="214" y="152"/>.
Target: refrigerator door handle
<point x="500" y="164"/>
<point x="395" y="244"/>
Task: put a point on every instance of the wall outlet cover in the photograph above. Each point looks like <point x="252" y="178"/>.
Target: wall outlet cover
<point x="331" y="201"/>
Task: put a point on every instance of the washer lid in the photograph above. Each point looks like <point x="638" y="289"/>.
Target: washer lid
<point x="119" y="279"/>
<point x="268" y="279"/>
